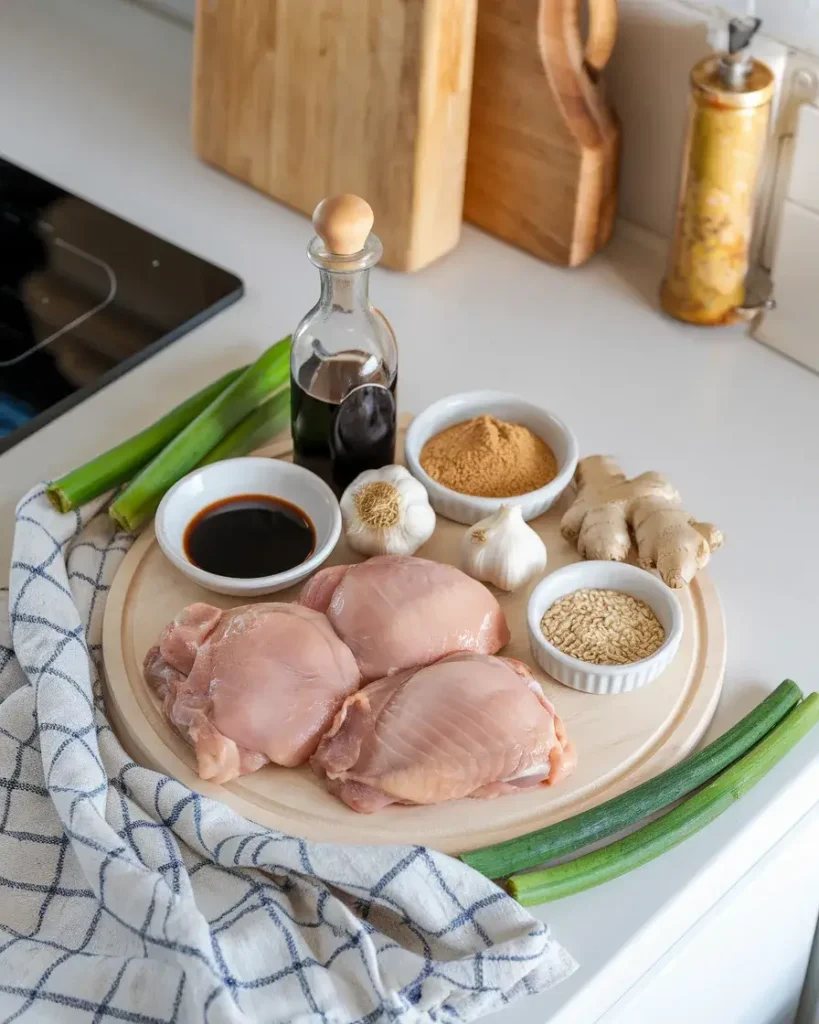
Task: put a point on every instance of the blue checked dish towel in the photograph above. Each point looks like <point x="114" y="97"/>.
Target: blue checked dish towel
<point x="124" y="896"/>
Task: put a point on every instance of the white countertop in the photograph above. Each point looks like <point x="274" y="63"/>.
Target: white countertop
<point x="95" y="95"/>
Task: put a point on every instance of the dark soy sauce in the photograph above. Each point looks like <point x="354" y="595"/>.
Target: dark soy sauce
<point x="343" y="418"/>
<point x="249" y="536"/>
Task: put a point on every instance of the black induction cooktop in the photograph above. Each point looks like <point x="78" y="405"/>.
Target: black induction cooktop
<point x="84" y="297"/>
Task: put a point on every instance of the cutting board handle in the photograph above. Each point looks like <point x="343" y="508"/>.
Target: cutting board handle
<point x="602" y="33"/>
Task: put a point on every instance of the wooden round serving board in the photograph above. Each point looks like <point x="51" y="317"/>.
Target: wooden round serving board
<point x="621" y="739"/>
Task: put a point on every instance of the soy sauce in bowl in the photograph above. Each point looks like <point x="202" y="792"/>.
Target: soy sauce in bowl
<point x="248" y="536"/>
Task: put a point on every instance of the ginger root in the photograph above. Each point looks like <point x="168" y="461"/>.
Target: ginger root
<point x="607" y="505"/>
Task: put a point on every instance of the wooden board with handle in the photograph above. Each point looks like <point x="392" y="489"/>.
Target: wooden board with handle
<point x="308" y="99"/>
<point x="543" y="149"/>
<point x="621" y="739"/>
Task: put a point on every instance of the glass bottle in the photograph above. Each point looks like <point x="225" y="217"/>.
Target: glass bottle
<point x="344" y="359"/>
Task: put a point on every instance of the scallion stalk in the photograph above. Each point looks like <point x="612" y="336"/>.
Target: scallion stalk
<point x="140" y="499"/>
<point x="671" y="829"/>
<point x="118" y="465"/>
<point x="262" y="425"/>
<point x="572" y="834"/>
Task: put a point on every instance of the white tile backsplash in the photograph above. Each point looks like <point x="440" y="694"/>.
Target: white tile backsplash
<point x="794" y="22"/>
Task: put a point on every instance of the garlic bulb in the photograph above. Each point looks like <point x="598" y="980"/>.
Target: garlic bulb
<point x="387" y="512"/>
<point x="502" y="549"/>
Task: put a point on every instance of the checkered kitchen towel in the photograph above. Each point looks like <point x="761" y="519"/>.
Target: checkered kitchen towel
<point x="124" y="896"/>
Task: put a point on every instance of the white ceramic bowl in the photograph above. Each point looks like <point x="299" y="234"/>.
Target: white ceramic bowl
<point x="232" y="478"/>
<point x="465" y="508"/>
<point x="629" y="579"/>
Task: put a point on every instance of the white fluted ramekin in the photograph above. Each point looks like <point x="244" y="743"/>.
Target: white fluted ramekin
<point x="581" y="675"/>
<point x="467" y="508"/>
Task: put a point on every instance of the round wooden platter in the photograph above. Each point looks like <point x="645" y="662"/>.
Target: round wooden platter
<point x="621" y="739"/>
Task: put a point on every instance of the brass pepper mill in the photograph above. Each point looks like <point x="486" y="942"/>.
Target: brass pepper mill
<point x="728" y="123"/>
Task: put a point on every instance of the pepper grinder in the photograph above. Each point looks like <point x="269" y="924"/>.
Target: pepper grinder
<point x="344" y="357"/>
<point x="728" y="124"/>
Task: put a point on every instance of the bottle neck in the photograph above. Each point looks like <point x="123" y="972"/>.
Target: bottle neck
<point x="345" y="292"/>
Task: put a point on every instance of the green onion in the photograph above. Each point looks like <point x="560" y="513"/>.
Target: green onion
<point x="261" y="426"/>
<point x="677" y="825"/>
<point x="114" y="467"/>
<point x="590" y="826"/>
<point x="140" y="499"/>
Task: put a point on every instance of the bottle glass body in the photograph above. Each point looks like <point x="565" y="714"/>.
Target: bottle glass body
<point x="344" y="368"/>
<point x="725" y="145"/>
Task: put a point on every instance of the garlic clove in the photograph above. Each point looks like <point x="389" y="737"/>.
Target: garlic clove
<point x="419" y="521"/>
<point x="503" y="549"/>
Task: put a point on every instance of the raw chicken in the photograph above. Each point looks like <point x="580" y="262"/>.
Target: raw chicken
<point x="469" y="725"/>
<point x="254" y="684"/>
<point x="396" y="612"/>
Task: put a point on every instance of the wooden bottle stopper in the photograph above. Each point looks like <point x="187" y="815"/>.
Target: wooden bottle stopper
<point x="343" y="222"/>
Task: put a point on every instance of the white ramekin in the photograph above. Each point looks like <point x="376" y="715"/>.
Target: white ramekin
<point x="235" y="477"/>
<point x="465" y="508"/>
<point x="580" y="675"/>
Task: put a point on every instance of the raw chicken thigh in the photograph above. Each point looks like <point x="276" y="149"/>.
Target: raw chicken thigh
<point x="469" y="725"/>
<point x="254" y="684"/>
<point x="396" y="612"/>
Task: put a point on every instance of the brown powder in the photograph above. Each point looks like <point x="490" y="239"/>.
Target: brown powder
<point x="489" y="458"/>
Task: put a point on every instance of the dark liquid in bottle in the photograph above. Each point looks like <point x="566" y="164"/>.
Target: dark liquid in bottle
<point x="343" y="418"/>
<point x="249" y="536"/>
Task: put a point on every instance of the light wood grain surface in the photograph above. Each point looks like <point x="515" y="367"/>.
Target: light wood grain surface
<point x="543" y="148"/>
<point x="305" y="100"/>
<point x="621" y="739"/>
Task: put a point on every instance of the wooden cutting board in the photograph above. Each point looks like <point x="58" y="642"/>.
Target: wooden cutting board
<point x="621" y="739"/>
<point x="543" y="146"/>
<point x="307" y="98"/>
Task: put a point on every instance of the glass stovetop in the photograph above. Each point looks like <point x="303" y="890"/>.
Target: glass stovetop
<point x="84" y="296"/>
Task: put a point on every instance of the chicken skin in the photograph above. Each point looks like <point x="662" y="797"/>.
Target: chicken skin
<point x="468" y="725"/>
<point x="396" y="612"/>
<point x="254" y="684"/>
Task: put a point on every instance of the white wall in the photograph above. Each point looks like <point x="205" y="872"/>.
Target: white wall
<point x="794" y="22"/>
<point x="183" y="9"/>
